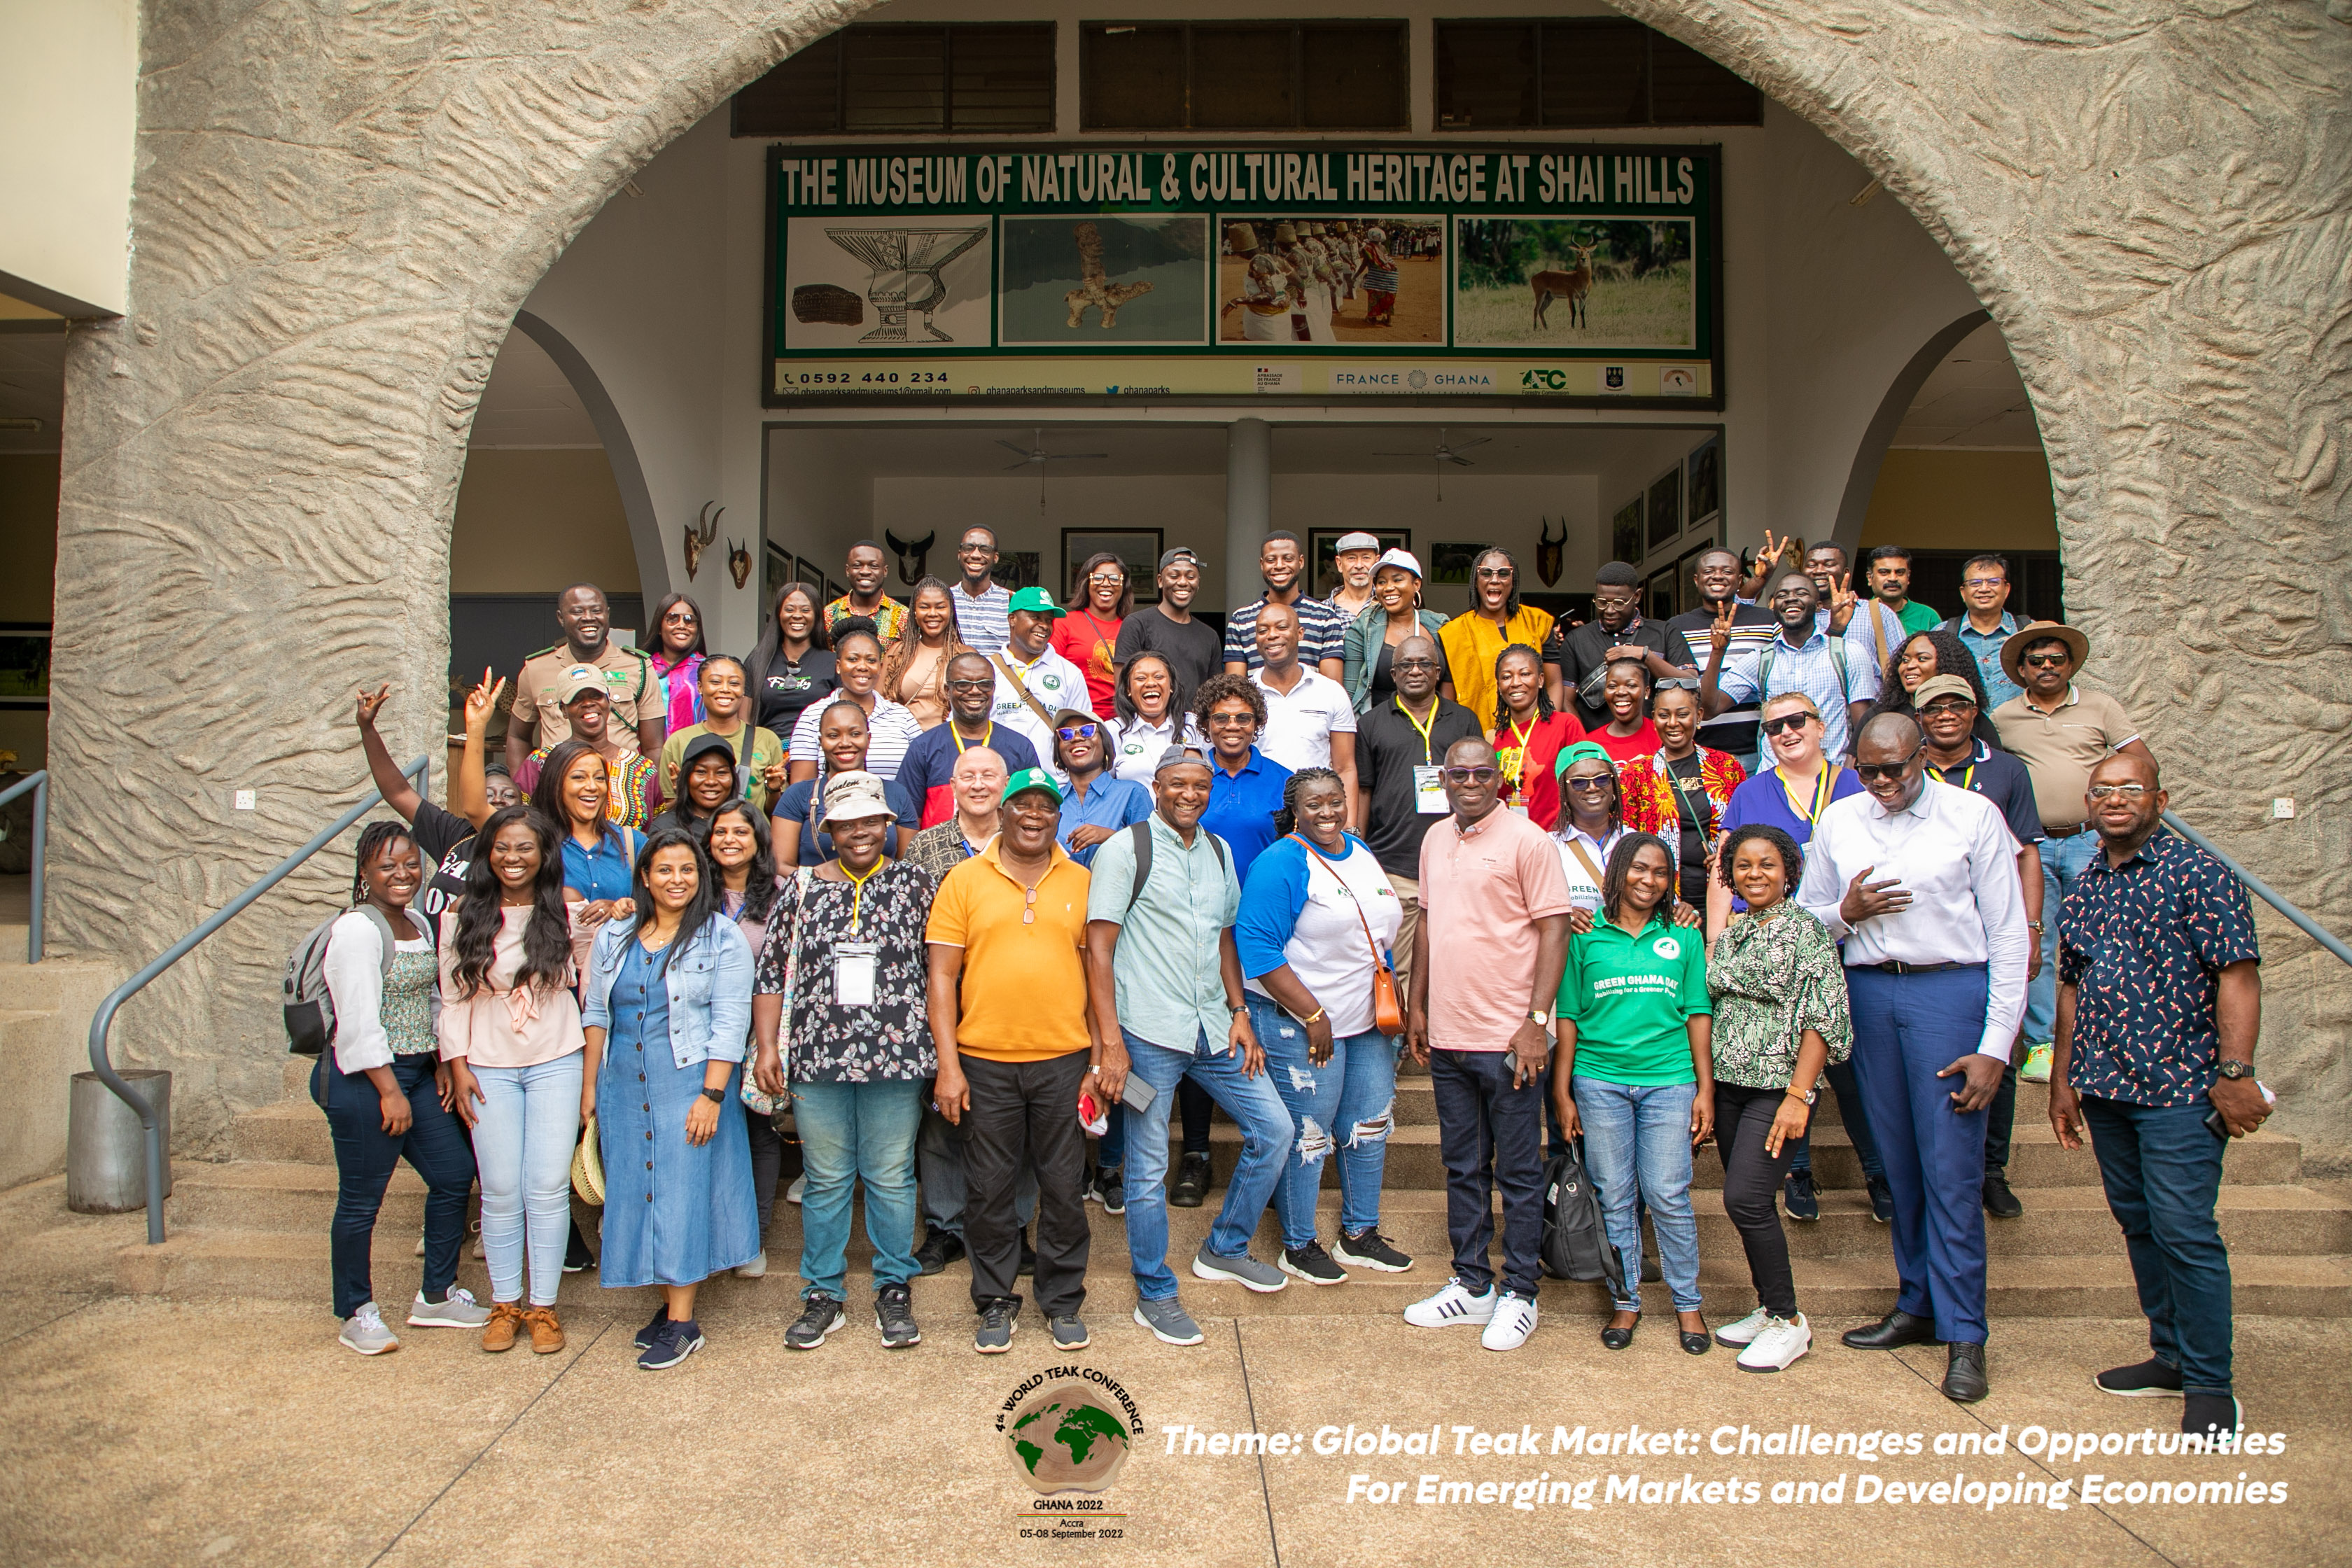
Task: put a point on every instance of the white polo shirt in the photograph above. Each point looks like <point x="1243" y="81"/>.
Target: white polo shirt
<point x="1300" y="723"/>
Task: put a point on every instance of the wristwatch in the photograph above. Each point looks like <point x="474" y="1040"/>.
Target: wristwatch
<point x="1808" y="1097"/>
<point x="716" y="1096"/>
<point x="2034" y="926"/>
<point x="2234" y="1070"/>
<point x="1541" y="1020"/>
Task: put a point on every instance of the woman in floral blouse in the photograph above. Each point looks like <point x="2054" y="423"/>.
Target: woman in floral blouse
<point x="1779" y="1019"/>
<point x="840" y="1015"/>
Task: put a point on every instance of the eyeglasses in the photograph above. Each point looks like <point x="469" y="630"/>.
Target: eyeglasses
<point x="1231" y="721"/>
<point x="1591" y="785"/>
<point x="1470" y="776"/>
<point x="1108" y="579"/>
<point x="2119" y="792"/>
<point x="1077" y="732"/>
<point x="1414" y="664"/>
<point x="1786" y="721"/>
<point x="2045" y="661"/>
<point x="1984" y="582"/>
<point x="976" y="549"/>
<point x="972" y="684"/>
<point x="1889" y="770"/>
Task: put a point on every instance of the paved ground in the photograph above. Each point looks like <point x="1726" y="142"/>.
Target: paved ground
<point x="139" y="1430"/>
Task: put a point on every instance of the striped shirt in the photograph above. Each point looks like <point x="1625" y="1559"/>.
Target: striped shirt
<point x="1322" y="633"/>
<point x="984" y="620"/>
<point x="1812" y="669"/>
<point x="890" y="729"/>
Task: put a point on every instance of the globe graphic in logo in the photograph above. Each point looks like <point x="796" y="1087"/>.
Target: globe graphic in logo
<point x="1066" y="1442"/>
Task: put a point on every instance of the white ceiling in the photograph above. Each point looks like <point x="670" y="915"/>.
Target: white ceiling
<point x="1974" y="400"/>
<point x="528" y="403"/>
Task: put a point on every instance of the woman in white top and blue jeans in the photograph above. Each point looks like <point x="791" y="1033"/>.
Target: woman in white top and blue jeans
<point x="1317" y="917"/>
<point x="377" y="1084"/>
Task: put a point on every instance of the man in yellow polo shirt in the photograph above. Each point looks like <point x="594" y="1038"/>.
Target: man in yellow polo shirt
<point x="1009" y="1015"/>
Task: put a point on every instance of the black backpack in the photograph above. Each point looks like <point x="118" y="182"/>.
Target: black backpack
<point x="1141" y="833"/>
<point x="1575" y="1246"/>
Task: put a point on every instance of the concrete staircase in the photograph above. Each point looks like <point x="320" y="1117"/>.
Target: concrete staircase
<point x="44" y="1011"/>
<point x="258" y="1225"/>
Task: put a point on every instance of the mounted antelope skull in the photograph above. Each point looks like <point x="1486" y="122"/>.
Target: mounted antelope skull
<point x="739" y="563"/>
<point x="700" y="535"/>
<point x="911" y="556"/>
<point x="1548" y="550"/>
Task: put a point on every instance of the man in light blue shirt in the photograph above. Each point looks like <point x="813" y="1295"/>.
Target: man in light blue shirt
<point x="1166" y="986"/>
<point x="1986" y="624"/>
<point x="1842" y="676"/>
<point x="1099" y="803"/>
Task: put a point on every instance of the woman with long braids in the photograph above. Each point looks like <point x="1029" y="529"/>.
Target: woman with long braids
<point x="377" y="1084"/>
<point x="668" y="1020"/>
<point x="1530" y="734"/>
<point x="1924" y="654"/>
<point x="915" y="665"/>
<point x="792" y="667"/>
<point x="510" y="1031"/>
<point x="1318" y="924"/>
<point x="1099" y="602"/>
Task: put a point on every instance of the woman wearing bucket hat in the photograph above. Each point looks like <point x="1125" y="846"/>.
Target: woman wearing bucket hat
<point x="841" y="1016"/>
<point x="1395" y="613"/>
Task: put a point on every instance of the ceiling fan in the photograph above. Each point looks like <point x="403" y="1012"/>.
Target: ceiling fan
<point x="1037" y="455"/>
<point x="1444" y="452"/>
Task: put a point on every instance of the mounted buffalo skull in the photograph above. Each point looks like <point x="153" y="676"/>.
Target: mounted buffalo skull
<point x="700" y="535"/>
<point x="1548" y="550"/>
<point x="911" y="556"/>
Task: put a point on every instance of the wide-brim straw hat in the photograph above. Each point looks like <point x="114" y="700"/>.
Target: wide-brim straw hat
<point x="588" y="1167"/>
<point x="2014" y="648"/>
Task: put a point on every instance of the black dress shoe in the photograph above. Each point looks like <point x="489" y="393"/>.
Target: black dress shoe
<point x="1999" y="1201"/>
<point x="1897" y="1329"/>
<point x="2211" y="1415"/>
<point x="1964" y="1373"/>
<point x="940" y="1249"/>
<point x="1695" y="1341"/>
<point x="1191" y="1185"/>
<point x="1617" y="1338"/>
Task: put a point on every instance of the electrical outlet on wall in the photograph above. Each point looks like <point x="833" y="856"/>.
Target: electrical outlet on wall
<point x="2283" y="808"/>
<point x="244" y="799"/>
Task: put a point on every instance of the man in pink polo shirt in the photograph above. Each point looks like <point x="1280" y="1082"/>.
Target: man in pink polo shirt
<point x="1486" y="960"/>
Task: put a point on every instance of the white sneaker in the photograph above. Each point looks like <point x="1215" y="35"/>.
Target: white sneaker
<point x="365" y="1331"/>
<point x="1781" y="1342"/>
<point x="1514" y="1321"/>
<point x="457" y="1311"/>
<point x="1743" y="1332"/>
<point x="755" y="1269"/>
<point x="793" y="1194"/>
<point x="1452" y="1305"/>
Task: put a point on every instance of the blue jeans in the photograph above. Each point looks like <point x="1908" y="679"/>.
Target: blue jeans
<point x="1637" y="1143"/>
<point x="1491" y="1135"/>
<point x="1265" y="1126"/>
<point x="2064" y="861"/>
<point x="528" y="1125"/>
<point x="1347" y="1103"/>
<point x="852" y="1132"/>
<point x="365" y="1158"/>
<point x="2162" y="1169"/>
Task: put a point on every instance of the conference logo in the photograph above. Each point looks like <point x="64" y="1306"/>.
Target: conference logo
<point x="1068" y="1430"/>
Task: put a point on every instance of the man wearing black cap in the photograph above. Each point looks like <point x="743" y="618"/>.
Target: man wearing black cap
<point x="1168" y="629"/>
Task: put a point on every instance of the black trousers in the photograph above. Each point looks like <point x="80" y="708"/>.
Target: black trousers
<point x="1491" y="1136"/>
<point x="1026" y="1113"/>
<point x="2001" y="1117"/>
<point x="1193" y="1103"/>
<point x="767" y="1164"/>
<point x="1751" y="1180"/>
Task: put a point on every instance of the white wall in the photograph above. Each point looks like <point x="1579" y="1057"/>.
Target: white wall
<point x="69" y="85"/>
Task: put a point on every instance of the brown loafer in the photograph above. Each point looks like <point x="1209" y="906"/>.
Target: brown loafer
<point x="506" y="1321"/>
<point x="546" y="1333"/>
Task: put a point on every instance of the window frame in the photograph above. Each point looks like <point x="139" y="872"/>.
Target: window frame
<point x="836" y="41"/>
<point x="1297" y="28"/>
<point x="1544" y="27"/>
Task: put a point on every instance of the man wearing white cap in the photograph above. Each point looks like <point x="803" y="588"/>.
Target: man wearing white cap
<point x="1355" y="556"/>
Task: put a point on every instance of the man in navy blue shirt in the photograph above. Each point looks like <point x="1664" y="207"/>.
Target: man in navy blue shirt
<point x="928" y="770"/>
<point x="2159" y="1004"/>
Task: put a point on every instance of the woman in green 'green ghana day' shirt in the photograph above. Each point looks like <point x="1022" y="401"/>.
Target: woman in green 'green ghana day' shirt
<point x="1633" y="1070"/>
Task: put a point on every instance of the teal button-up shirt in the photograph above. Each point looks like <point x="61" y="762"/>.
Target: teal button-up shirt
<point x="1171" y="984"/>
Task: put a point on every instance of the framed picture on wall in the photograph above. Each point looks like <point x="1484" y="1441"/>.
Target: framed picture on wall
<point x="1138" y="550"/>
<point x="1018" y="568"/>
<point x="807" y="571"/>
<point x="1450" y="562"/>
<point x="1659" y="594"/>
<point x="25" y="664"/>
<point x="1626" y="533"/>
<point x="1322" y="563"/>
<point x="1704" y="467"/>
<point x="776" y="571"/>
<point x="1665" y="507"/>
<point x="834" y="590"/>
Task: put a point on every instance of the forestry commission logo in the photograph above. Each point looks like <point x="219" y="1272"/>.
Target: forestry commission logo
<point x="1069" y="1429"/>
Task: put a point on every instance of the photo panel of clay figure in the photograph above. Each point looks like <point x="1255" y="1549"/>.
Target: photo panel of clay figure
<point x="885" y="284"/>
<point x="1575" y="283"/>
<point x="1136" y="279"/>
<point x="1375" y="279"/>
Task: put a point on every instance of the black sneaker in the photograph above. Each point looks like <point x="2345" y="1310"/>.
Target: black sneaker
<point x="894" y="1314"/>
<point x="1881" y="1200"/>
<point x="2151" y="1379"/>
<point x="2212" y="1415"/>
<point x="672" y="1345"/>
<point x="997" y="1321"/>
<point x="1191" y="1185"/>
<point x="819" y="1317"/>
<point x="1312" y="1264"/>
<point x="1999" y="1201"/>
<point x="1070" y="1333"/>
<point x="576" y="1256"/>
<point x="940" y="1249"/>
<point x="1108" y="1188"/>
<point x="1370" y="1249"/>
<point x="653" y="1326"/>
<point x="1797" y="1195"/>
<point x="1028" y="1264"/>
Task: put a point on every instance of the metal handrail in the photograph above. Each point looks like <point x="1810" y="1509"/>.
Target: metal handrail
<point x="103" y="1021"/>
<point x="38" y="783"/>
<point x="2310" y="928"/>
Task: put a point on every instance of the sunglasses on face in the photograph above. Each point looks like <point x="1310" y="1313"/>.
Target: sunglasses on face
<point x="1888" y="770"/>
<point x="1077" y="732"/>
<point x="1230" y="720"/>
<point x="1470" y="776"/>
<point x="1954" y="706"/>
<point x="1414" y="664"/>
<point x="1785" y="722"/>
<point x="2044" y="660"/>
<point x="1588" y="786"/>
<point x="2131" y="792"/>
<point x="1496" y="573"/>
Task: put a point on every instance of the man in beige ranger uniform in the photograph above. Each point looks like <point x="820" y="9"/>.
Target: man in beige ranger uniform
<point x="536" y="719"/>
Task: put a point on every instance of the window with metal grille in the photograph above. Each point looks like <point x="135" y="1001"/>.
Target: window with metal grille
<point x="972" y="79"/>
<point x="1242" y="75"/>
<point x="1582" y="73"/>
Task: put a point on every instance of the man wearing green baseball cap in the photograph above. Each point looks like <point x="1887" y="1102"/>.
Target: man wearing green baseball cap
<point x="1033" y="681"/>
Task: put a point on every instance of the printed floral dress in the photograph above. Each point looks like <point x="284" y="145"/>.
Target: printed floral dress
<point x="824" y="1041"/>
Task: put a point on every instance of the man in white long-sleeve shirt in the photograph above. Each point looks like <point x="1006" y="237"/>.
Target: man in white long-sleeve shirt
<point x="1920" y="879"/>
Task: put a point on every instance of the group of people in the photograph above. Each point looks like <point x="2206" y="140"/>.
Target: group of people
<point x="1124" y="870"/>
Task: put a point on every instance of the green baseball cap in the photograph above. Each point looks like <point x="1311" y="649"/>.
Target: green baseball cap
<point x="1031" y="778"/>
<point x="1037" y="600"/>
<point x="1582" y="752"/>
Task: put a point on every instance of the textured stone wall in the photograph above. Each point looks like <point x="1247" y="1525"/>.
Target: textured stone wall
<point x="337" y="211"/>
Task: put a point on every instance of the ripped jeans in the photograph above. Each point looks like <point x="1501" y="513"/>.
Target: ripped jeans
<point x="1347" y="1103"/>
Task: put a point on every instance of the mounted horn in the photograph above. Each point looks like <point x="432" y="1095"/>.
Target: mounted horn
<point x="739" y="563"/>
<point x="911" y="556"/>
<point x="700" y="535"/>
<point x="1548" y="552"/>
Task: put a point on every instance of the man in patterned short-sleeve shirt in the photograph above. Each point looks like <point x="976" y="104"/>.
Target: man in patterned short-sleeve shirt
<point x="2158" y="1004"/>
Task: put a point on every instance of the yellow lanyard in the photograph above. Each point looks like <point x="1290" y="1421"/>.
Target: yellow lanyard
<point x="1964" y="778"/>
<point x="1427" y="758"/>
<point x="857" y="887"/>
<point x="1825" y="783"/>
<point x="1517" y="764"/>
<point x="987" y="740"/>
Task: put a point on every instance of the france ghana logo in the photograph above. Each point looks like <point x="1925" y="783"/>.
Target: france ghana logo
<point x="1667" y="948"/>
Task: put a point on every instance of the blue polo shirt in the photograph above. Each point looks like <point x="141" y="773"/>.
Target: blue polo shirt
<point x="607" y="871"/>
<point x="1242" y="806"/>
<point x="1109" y="802"/>
<point x="1765" y="799"/>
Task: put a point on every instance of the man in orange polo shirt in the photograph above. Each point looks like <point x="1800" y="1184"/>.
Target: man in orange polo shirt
<point x="1009" y="1015"/>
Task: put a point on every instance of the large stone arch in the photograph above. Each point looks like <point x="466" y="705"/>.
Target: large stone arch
<point x="2153" y="199"/>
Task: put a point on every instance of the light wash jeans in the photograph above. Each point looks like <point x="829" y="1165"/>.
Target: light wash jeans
<point x="1252" y="1102"/>
<point x="1637" y="1140"/>
<point x="852" y="1132"/>
<point x="1347" y="1103"/>
<point x="529" y="1124"/>
<point x="2064" y="861"/>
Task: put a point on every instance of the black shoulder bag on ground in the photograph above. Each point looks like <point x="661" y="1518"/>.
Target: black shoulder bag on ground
<point x="1574" y="1245"/>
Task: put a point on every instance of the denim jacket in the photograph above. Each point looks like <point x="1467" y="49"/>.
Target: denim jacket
<point x="1361" y="650"/>
<point x="710" y="983"/>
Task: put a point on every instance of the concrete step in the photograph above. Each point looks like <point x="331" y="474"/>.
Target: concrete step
<point x="1416" y="1105"/>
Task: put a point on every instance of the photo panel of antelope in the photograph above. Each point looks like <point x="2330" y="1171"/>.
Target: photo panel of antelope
<point x="1138" y="279"/>
<point x="1575" y="282"/>
<point x="887" y="284"/>
<point x="1375" y="279"/>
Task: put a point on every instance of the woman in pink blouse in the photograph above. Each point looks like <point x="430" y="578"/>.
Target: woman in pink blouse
<point x="509" y="1029"/>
